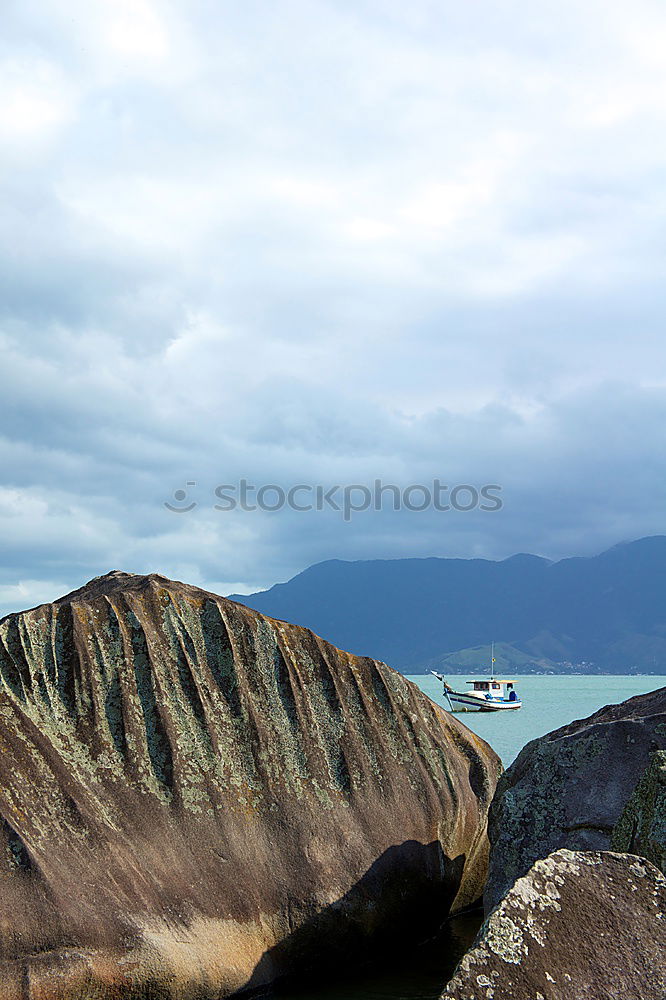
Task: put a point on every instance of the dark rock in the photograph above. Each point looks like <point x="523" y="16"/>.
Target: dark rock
<point x="569" y="788"/>
<point x="195" y="799"/>
<point x="578" y="926"/>
<point x="641" y="829"/>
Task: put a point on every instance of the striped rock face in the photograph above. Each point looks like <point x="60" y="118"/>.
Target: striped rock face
<point x="197" y="799"/>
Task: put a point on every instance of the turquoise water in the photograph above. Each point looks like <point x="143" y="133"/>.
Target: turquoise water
<point x="548" y="703"/>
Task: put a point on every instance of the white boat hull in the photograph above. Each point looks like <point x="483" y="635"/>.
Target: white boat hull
<point x="468" y="703"/>
<point x="480" y="699"/>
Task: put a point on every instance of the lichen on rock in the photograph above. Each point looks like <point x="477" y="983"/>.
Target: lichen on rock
<point x="578" y="924"/>
<point x="641" y="829"/>
<point x="569" y="788"/>
<point x="197" y="799"/>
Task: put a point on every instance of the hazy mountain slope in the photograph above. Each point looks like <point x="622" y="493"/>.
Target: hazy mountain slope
<point x="608" y="609"/>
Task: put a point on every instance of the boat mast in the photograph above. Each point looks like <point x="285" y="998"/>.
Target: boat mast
<point x="492" y="660"/>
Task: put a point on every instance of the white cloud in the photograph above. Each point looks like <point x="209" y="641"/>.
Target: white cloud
<point x="134" y="30"/>
<point x="30" y="593"/>
<point x="313" y="242"/>
<point x="37" y="102"/>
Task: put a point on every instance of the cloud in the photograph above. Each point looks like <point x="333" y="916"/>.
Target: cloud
<point x="326" y="243"/>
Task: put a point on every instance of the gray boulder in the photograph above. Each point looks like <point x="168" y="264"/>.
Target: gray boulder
<point x="570" y="787"/>
<point x="641" y="829"/>
<point x="554" y="936"/>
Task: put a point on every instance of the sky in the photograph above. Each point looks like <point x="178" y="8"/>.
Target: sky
<point x="326" y="243"/>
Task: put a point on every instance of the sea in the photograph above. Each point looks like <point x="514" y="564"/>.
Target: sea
<point x="549" y="701"/>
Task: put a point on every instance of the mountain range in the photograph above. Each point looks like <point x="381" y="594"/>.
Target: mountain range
<point x="596" y="614"/>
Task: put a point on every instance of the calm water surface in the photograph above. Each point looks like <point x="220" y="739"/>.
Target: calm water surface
<point x="548" y="703"/>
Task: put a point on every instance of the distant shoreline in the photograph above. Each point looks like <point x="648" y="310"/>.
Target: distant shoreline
<point x="539" y="673"/>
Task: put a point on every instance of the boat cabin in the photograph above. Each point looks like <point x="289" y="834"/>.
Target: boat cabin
<point x="495" y="688"/>
<point x="488" y="694"/>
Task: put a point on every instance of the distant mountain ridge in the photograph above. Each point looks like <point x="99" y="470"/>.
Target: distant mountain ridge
<point x="604" y="613"/>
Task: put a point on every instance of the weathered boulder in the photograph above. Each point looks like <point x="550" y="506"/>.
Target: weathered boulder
<point x="579" y="925"/>
<point x="195" y="798"/>
<point x="641" y="829"/>
<point x="569" y="788"/>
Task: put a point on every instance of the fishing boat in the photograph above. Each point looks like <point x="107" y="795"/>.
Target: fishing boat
<point x="487" y="694"/>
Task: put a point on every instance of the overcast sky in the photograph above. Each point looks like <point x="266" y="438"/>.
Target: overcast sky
<point x="309" y="242"/>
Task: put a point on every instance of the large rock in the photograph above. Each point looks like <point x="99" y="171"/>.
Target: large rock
<point x="569" y="788"/>
<point x="641" y="829"/>
<point x="579" y="925"/>
<point x="195" y="798"/>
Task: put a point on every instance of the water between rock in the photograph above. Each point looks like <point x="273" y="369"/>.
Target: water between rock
<point x="419" y="974"/>
<point x="549" y="702"/>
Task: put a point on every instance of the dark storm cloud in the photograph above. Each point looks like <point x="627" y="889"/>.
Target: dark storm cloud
<point x="326" y="244"/>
